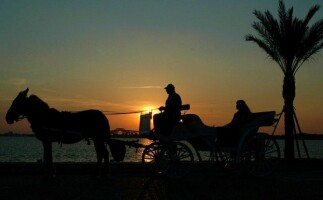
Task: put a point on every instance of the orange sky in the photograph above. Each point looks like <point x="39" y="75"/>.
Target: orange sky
<point x="120" y="55"/>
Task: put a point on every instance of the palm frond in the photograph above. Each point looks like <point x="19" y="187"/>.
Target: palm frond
<point x="289" y="41"/>
<point x="289" y="18"/>
<point x="312" y="52"/>
<point x="282" y="16"/>
<point x="281" y="10"/>
<point x="263" y="33"/>
<point x="268" y="49"/>
<point x="260" y="16"/>
<point x="268" y="22"/>
<point x="311" y="42"/>
<point x="272" y="27"/>
<point x="310" y="14"/>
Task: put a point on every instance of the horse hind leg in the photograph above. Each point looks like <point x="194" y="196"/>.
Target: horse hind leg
<point x="103" y="169"/>
<point x="99" y="155"/>
<point x="49" y="170"/>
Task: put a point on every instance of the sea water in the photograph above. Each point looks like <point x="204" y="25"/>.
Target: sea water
<point x="29" y="149"/>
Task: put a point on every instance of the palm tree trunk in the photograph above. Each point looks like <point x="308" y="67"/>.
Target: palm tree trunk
<point x="289" y="96"/>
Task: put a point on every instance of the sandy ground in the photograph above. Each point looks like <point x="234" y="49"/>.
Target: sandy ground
<point x="131" y="181"/>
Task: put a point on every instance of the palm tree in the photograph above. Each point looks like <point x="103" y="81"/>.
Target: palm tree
<point x="290" y="42"/>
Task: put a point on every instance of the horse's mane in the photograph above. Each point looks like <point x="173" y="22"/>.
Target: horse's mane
<point x="37" y="103"/>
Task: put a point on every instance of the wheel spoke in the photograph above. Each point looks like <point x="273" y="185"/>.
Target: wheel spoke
<point x="179" y="158"/>
<point x="151" y="153"/>
<point x="270" y="152"/>
<point x="260" y="155"/>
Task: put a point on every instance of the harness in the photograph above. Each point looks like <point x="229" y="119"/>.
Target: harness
<point x="59" y="134"/>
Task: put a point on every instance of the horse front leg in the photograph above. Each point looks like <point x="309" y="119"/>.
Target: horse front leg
<point x="48" y="160"/>
<point x="99" y="156"/>
<point x="106" y="161"/>
<point x="103" y="169"/>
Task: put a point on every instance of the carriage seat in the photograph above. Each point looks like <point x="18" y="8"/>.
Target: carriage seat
<point x="185" y="107"/>
<point x="194" y="125"/>
<point x="163" y="125"/>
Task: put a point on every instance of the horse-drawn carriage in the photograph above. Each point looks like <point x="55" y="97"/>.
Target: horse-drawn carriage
<point x="170" y="154"/>
<point x="255" y="152"/>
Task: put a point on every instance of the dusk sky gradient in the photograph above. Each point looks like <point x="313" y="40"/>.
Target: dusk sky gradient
<point x="119" y="55"/>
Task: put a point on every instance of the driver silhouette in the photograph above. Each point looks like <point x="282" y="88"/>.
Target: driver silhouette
<point x="171" y="112"/>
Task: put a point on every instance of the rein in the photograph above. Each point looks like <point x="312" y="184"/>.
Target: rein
<point x="125" y="113"/>
<point x="120" y="113"/>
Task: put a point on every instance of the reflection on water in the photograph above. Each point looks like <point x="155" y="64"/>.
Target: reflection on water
<point x="29" y="149"/>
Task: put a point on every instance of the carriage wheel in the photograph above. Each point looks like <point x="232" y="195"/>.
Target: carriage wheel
<point x="226" y="160"/>
<point x="153" y="157"/>
<point x="260" y="154"/>
<point x="179" y="159"/>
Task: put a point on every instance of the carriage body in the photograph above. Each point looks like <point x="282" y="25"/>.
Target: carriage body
<point x="253" y="148"/>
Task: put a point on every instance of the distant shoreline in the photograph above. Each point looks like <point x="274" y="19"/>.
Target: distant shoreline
<point x="305" y="136"/>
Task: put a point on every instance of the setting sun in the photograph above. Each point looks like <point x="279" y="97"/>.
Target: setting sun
<point x="152" y="109"/>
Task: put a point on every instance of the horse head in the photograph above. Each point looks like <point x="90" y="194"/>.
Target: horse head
<point x="18" y="107"/>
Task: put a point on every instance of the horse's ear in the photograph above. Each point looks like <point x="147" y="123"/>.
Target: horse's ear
<point x="25" y="92"/>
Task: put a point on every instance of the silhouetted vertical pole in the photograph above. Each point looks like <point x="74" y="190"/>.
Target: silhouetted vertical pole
<point x="300" y="131"/>
<point x="297" y="144"/>
<point x="289" y="133"/>
<point x="280" y="115"/>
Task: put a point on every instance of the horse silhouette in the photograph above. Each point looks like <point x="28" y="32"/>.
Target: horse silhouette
<point x="50" y="125"/>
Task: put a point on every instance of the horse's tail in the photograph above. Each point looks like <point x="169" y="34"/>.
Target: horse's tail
<point x="117" y="149"/>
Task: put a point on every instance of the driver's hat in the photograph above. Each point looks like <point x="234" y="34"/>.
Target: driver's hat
<point x="170" y="86"/>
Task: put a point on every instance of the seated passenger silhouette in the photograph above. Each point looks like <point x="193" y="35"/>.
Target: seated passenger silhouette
<point x="229" y="134"/>
<point x="171" y="112"/>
